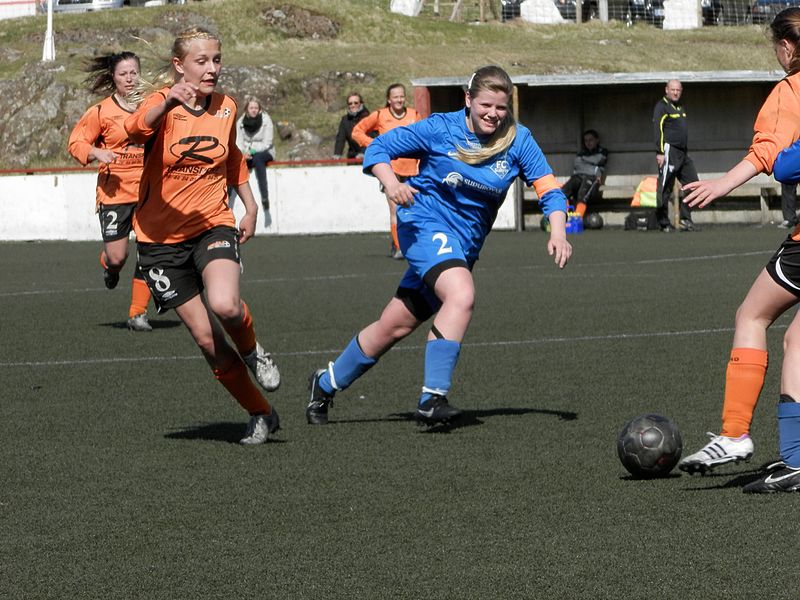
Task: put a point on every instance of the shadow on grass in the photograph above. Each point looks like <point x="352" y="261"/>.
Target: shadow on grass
<point x="229" y="432"/>
<point x="155" y="324"/>
<point x="470" y="418"/>
<point x="739" y="478"/>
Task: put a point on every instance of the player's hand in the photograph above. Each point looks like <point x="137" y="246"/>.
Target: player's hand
<point x="401" y="194"/>
<point x="560" y="249"/>
<point x="181" y="93"/>
<point x="660" y="160"/>
<point x="104" y="156"/>
<point x="247" y="226"/>
<point x="704" y="192"/>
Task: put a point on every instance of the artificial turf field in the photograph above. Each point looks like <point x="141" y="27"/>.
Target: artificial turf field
<point x="121" y="476"/>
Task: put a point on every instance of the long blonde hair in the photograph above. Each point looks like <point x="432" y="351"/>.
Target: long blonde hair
<point x="167" y="75"/>
<point x="493" y="79"/>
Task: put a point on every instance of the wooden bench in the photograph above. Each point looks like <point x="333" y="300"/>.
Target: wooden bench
<point x="761" y="193"/>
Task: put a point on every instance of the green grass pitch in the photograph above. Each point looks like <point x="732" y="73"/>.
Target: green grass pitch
<point x="120" y="476"/>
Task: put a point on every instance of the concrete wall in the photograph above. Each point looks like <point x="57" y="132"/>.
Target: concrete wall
<point x="304" y="200"/>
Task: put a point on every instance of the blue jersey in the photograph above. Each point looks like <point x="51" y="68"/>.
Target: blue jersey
<point x="786" y="168"/>
<point x="464" y="197"/>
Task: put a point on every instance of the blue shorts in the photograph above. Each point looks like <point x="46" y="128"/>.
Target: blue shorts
<point x="430" y="248"/>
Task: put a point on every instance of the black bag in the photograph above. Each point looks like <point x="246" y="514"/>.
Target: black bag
<point x="641" y="220"/>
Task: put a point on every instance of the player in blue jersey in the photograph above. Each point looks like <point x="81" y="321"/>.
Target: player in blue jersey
<point x="468" y="161"/>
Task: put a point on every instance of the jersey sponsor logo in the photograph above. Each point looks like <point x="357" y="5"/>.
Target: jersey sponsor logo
<point x="202" y="148"/>
<point x="218" y="244"/>
<point x="500" y="168"/>
<point x="453" y="179"/>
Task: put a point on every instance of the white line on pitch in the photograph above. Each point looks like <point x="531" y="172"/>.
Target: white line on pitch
<point x="499" y="343"/>
<point x="364" y="275"/>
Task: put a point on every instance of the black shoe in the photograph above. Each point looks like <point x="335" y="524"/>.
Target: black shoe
<point x="436" y="410"/>
<point x="687" y="225"/>
<point x="317" y="409"/>
<point x="785" y="479"/>
<point x="110" y="279"/>
<point x="667" y="228"/>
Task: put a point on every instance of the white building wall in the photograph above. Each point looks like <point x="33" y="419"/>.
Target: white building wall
<point x="306" y="200"/>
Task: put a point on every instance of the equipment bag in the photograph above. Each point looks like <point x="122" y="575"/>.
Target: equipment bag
<point x="641" y="220"/>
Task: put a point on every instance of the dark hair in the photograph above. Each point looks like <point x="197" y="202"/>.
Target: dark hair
<point x="101" y="71"/>
<point x="391" y="87"/>
<point x="786" y="26"/>
<point x="357" y="95"/>
<point x="591" y="132"/>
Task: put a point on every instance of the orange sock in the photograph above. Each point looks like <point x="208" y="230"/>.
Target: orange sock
<point x="743" y="382"/>
<point x="140" y="297"/>
<point x="243" y="334"/>
<point x="237" y="381"/>
<point x="103" y="260"/>
<point x="394" y="236"/>
<point x="581" y="208"/>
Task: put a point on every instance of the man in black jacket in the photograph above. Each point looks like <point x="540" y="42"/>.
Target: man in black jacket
<point x="671" y="136"/>
<point x="355" y="112"/>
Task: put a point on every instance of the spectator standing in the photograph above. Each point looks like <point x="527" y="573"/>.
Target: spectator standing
<point x="254" y="136"/>
<point x="99" y="136"/>
<point x="583" y="187"/>
<point x="671" y="130"/>
<point x="788" y="205"/>
<point x="356" y="111"/>
<point x="394" y="114"/>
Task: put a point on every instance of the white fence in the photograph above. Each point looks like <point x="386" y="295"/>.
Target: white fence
<point x="303" y="200"/>
<point x="10" y="9"/>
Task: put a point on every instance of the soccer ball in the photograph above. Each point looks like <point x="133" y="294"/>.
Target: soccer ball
<point x="593" y="220"/>
<point x="649" y="446"/>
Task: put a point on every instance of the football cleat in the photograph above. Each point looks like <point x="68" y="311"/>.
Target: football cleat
<point x="436" y="409"/>
<point x="263" y="368"/>
<point x="260" y="427"/>
<point x="110" y="278"/>
<point x="139" y="323"/>
<point x="785" y="479"/>
<point x="719" y="451"/>
<point x="319" y="402"/>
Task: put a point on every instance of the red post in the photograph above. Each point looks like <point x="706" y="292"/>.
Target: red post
<point x="422" y="100"/>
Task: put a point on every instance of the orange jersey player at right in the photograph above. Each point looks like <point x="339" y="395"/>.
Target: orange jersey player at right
<point x="100" y="136"/>
<point x="775" y="291"/>
<point x="187" y="239"/>
<point x="394" y="114"/>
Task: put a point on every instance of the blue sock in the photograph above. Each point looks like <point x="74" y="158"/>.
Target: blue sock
<point x="441" y="357"/>
<point x="789" y="431"/>
<point x="351" y="364"/>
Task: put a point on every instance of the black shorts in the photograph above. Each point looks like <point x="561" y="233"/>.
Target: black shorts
<point x="173" y="272"/>
<point x="116" y="221"/>
<point x="784" y="266"/>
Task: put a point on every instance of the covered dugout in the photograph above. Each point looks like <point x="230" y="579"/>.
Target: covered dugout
<point x="721" y="107"/>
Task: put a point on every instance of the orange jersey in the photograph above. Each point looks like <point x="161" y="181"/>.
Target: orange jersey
<point x="102" y="127"/>
<point x="777" y="125"/>
<point x="189" y="160"/>
<point x="381" y="121"/>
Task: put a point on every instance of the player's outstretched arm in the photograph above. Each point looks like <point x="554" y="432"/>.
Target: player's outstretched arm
<point x="703" y="192"/>
<point x="557" y="246"/>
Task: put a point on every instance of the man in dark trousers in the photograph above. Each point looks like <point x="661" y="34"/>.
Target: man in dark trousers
<point x="672" y="135"/>
<point x="355" y="112"/>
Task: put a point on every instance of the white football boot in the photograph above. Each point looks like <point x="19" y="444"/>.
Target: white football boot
<point x="720" y="450"/>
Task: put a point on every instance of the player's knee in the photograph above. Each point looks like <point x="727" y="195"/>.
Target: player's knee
<point x="228" y="309"/>
<point x="462" y="301"/>
<point x="115" y="260"/>
<point x="791" y="340"/>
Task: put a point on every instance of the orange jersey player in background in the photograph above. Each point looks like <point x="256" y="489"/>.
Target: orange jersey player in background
<point x="100" y="136"/>
<point x="187" y="239"/>
<point x="394" y="114"/>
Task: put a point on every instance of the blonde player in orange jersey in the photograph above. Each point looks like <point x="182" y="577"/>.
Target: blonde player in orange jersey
<point x="187" y="240"/>
<point x="100" y="136"/>
<point x="394" y="114"/>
